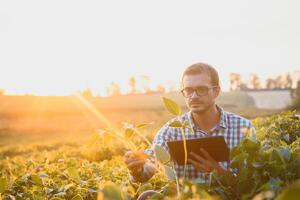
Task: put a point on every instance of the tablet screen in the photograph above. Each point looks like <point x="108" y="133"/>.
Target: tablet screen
<point x="214" y="145"/>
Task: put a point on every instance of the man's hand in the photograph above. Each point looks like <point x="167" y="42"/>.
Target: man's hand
<point x="206" y="163"/>
<point x="135" y="161"/>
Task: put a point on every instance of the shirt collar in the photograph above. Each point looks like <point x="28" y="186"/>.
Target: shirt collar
<point x="223" y="120"/>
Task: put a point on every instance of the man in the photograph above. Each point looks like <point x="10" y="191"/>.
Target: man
<point x="200" y="87"/>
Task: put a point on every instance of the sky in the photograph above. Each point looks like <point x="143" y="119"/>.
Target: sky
<point x="60" y="47"/>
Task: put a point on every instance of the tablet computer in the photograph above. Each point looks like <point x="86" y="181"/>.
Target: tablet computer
<point x="214" y="145"/>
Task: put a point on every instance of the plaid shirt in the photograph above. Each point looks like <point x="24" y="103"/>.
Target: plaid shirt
<point x="233" y="127"/>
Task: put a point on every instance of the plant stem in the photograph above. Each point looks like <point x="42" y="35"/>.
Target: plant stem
<point x="176" y="179"/>
<point x="185" y="151"/>
<point x="143" y="137"/>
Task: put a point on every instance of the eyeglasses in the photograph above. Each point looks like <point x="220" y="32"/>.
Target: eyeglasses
<point x="200" y="90"/>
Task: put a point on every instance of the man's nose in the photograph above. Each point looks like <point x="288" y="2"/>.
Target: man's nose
<point x="194" y="94"/>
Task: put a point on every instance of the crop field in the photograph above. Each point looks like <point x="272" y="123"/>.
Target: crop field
<point x="72" y="148"/>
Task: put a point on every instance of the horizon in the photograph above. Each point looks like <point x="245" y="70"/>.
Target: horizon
<point x="141" y="86"/>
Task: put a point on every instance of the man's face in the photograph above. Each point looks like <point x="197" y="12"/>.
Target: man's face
<point x="208" y="93"/>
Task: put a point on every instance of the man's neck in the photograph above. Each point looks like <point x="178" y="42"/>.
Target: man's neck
<point x="208" y="119"/>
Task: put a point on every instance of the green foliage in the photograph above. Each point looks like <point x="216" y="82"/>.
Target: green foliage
<point x="266" y="167"/>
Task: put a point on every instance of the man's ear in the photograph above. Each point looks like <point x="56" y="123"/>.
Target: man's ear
<point x="217" y="91"/>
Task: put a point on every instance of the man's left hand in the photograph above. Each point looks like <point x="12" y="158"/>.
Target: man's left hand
<point x="206" y="163"/>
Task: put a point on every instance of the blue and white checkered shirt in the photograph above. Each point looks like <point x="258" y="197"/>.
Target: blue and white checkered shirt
<point x="233" y="127"/>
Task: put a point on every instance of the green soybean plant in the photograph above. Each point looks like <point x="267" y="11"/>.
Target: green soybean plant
<point x="161" y="154"/>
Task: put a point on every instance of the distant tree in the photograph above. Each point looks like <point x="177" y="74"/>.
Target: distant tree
<point x="254" y="82"/>
<point x="132" y="84"/>
<point x="288" y="81"/>
<point x="145" y="82"/>
<point x="271" y="84"/>
<point x="160" y="89"/>
<point x="296" y="98"/>
<point x="235" y="81"/>
<point x="279" y="82"/>
<point x="87" y="93"/>
<point x="243" y="86"/>
<point x="113" y="89"/>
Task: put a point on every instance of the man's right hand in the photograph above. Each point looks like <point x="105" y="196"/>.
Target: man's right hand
<point x="135" y="161"/>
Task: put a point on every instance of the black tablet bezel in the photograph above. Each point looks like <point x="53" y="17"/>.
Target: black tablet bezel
<point x="214" y="145"/>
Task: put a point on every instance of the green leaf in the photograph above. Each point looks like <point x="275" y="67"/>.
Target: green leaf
<point x="186" y="124"/>
<point x="161" y="154"/>
<point x="245" y="186"/>
<point x="128" y="132"/>
<point x="234" y="152"/>
<point x="10" y="197"/>
<point x="77" y="197"/>
<point x="274" y="184"/>
<point x="73" y="173"/>
<point x="170" y="173"/>
<point x="250" y="144"/>
<point x="290" y="193"/>
<point x="3" y="184"/>
<point x="172" y="106"/>
<point x="111" y="191"/>
<point x="285" y="153"/>
<point x="176" y="124"/>
<point x="60" y="194"/>
<point x="144" y="187"/>
<point x="286" y="137"/>
<point x="276" y="156"/>
<point x="94" y="138"/>
<point x="43" y="175"/>
<point x="36" y="179"/>
<point x="68" y="186"/>
<point x="257" y="164"/>
<point x="238" y="160"/>
<point x="144" y="125"/>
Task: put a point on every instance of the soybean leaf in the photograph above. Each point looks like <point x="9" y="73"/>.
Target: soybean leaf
<point x="144" y="125"/>
<point x="144" y="187"/>
<point x="94" y="138"/>
<point x="77" y="197"/>
<point x="250" y="144"/>
<point x="128" y="132"/>
<point x="172" y="106"/>
<point x="68" y="186"/>
<point x="176" y="124"/>
<point x="276" y="156"/>
<point x="43" y="175"/>
<point x="161" y="154"/>
<point x="170" y="173"/>
<point x="290" y="193"/>
<point x="36" y="179"/>
<point x="3" y="184"/>
<point x="111" y="191"/>
<point x="73" y="173"/>
<point x="285" y="153"/>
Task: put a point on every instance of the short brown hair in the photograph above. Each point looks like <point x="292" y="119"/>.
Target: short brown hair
<point x="199" y="68"/>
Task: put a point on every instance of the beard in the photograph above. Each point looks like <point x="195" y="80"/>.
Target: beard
<point x="198" y="107"/>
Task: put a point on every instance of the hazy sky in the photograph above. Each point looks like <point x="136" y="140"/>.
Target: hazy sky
<point x="58" y="47"/>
